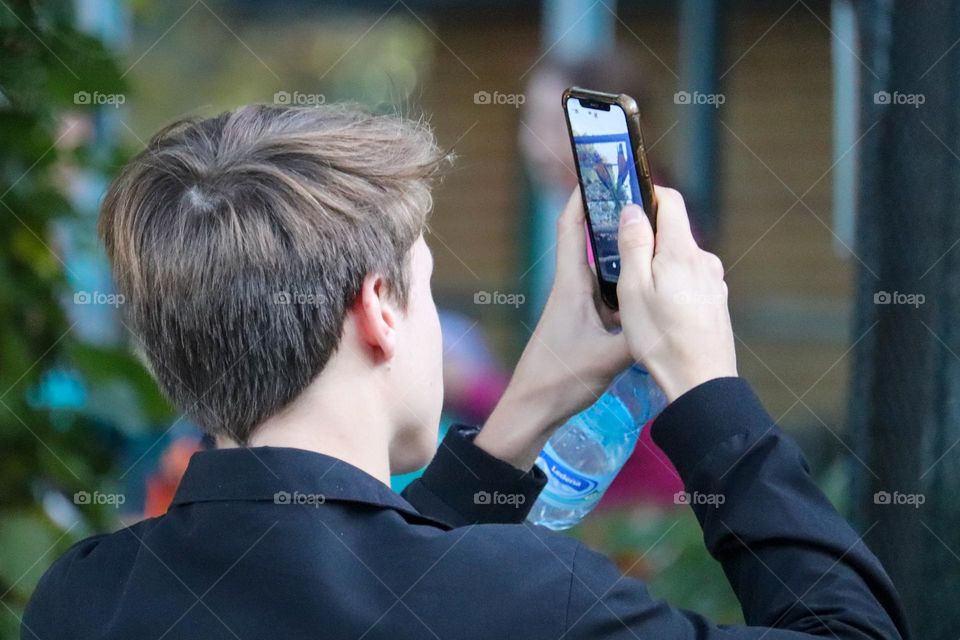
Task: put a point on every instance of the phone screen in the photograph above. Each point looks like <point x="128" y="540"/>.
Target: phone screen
<point x="608" y="175"/>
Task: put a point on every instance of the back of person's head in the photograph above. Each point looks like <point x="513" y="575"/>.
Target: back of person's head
<point x="240" y="243"/>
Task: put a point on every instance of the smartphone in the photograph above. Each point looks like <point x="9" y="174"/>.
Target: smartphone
<point x="613" y="172"/>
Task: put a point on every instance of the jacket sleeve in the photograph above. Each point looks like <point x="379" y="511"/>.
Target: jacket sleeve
<point x="465" y="485"/>
<point x="797" y="568"/>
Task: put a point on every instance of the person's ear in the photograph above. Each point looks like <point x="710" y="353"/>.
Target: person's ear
<point x="377" y="315"/>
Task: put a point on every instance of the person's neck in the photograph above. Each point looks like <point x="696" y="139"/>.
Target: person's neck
<point x="334" y="419"/>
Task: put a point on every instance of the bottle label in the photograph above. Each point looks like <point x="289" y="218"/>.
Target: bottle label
<point x="565" y="481"/>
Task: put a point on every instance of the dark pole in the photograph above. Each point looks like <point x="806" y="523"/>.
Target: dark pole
<point x="700" y="46"/>
<point x="905" y="406"/>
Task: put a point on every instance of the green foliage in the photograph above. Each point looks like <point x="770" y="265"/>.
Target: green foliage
<point x="663" y="546"/>
<point x="46" y="62"/>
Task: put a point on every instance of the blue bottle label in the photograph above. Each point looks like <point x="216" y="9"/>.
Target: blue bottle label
<point x="564" y="481"/>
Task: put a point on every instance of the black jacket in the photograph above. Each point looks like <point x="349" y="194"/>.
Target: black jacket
<point x="284" y="543"/>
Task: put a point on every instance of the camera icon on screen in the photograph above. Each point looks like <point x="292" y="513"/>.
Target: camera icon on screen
<point x="482" y="97"/>
<point x="682" y="97"/>
<point x="882" y="297"/>
<point x="481" y="497"/>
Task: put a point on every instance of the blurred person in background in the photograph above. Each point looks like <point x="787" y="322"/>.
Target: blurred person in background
<point x="548" y="177"/>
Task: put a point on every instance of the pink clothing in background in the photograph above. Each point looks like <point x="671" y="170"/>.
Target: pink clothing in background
<point x="648" y="475"/>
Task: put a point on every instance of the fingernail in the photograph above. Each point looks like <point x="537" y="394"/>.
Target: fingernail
<point x="630" y="214"/>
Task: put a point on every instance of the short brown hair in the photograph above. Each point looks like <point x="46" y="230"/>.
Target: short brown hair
<point x="241" y="241"/>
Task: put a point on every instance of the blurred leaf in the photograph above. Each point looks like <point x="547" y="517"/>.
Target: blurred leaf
<point x="28" y="543"/>
<point x="102" y="367"/>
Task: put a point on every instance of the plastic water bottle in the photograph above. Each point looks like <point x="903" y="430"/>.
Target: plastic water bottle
<point x="585" y="454"/>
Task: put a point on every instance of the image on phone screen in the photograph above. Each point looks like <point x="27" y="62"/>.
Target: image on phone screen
<point x="608" y="175"/>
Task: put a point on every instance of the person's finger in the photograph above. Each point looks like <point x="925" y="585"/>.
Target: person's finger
<point x="636" y="242"/>
<point x="571" y="237"/>
<point x="673" y="223"/>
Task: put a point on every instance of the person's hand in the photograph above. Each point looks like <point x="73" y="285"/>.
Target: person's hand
<point x="569" y="360"/>
<point x="577" y="347"/>
<point x="673" y="300"/>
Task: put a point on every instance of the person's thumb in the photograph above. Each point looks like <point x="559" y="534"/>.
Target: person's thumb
<point x="636" y="245"/>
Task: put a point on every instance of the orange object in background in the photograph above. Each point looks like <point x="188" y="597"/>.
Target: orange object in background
<point x="162" y="484"/>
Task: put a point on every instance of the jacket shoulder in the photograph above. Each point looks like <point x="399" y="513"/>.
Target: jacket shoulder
<point x="94" y="563"/>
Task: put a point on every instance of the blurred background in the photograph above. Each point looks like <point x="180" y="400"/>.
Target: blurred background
<point x="815" y="142"/>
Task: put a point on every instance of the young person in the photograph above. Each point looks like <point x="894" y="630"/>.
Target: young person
<point x="278" y="281"/>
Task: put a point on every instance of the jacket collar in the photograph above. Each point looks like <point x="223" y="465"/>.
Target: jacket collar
<point x="283" y="476"/>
